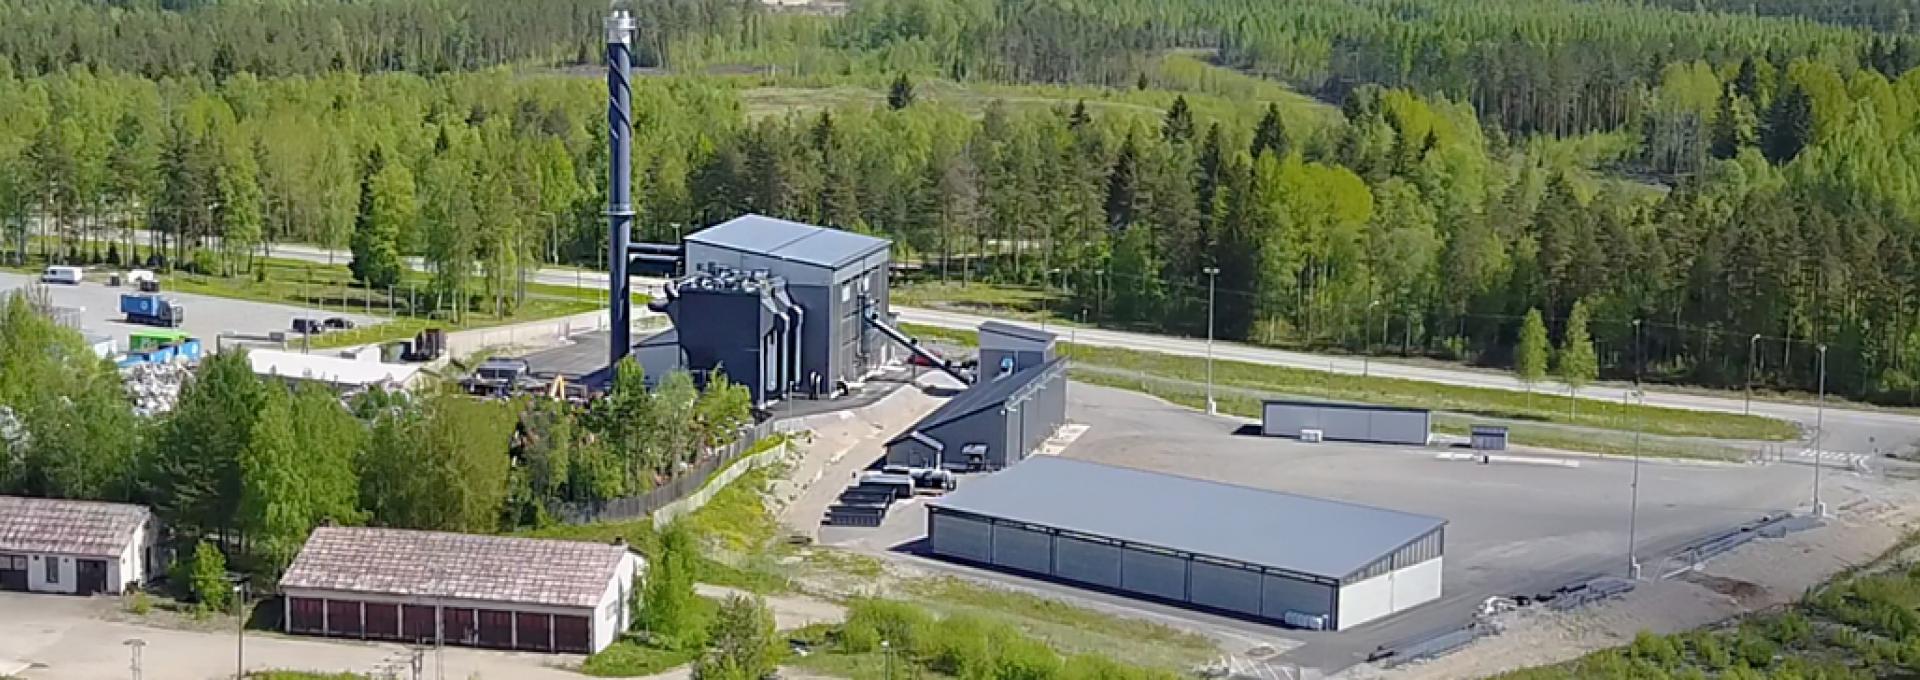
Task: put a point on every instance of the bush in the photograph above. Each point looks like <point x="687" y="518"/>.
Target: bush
<point x="137" y="603"/>
<point x="1023" y="658"/>
<point x="672" y="613"/>
<point x="206" y="262"/>
<point x="744" y="647"/>
<point x="207" y="578"/>
<point x="958" y="646"/>
<point x="871" y="621"/>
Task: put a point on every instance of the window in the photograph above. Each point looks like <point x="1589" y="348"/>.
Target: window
<point x="53" y="569"/>
<point x="846" y="292"/>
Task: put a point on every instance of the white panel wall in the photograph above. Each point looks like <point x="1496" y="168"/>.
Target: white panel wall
<point x="1393" y="592"/>
<point x="613" y="615"/>
<point x="1416" y="585"/>
<point x="67" y="578"/>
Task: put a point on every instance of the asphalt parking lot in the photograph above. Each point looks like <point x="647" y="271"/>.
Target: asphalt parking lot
<point x="1514" y="528"/>
<point x="207" y="317"/>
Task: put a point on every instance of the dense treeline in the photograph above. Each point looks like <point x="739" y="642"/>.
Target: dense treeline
<point x="252" y="465"/>
<point x="1886" y="15"/>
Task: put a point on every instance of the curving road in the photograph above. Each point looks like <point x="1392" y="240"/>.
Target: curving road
<point x="1848" y="430"/>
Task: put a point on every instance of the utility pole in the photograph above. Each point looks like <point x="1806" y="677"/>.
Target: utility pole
<point x="240" y="631"/>
<point x="1213" y="275"/>
<point x="1633" y="505"/>
<point x="1366" y="342"/>
<point x="135" y="644"/>
<point x="1819" y="433"/>
<point x="1752" y="344"/>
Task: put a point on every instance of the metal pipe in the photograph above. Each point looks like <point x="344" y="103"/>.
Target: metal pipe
<point x="620" y="28"/>
<point x="799" y="335"/>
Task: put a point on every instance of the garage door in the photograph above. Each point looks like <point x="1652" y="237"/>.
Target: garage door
<point x="1225" y="587"/>
<point x="383" y="621"/>
<point x="534" y="632"/>
<point x="343" y="618"/>
<point x="955" y="536"/>
<point x="572" y="634"/>
<point x="496" y="628"/>
<point x="1153" y="573"/>
<point x="417" y="621"/>
<point x="1086" y="561"/>
<point x="307" y="615"/>
<point x="1023" y="549"/>
<point x="458" y="626"/>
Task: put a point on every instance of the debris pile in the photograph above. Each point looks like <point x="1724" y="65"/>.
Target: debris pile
<point x="155" y="388"/>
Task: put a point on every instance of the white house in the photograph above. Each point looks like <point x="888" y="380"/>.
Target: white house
<point x="83" y="547"/>
<point x="484" y="591"/>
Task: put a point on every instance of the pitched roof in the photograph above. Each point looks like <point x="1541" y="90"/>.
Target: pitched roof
<point x="788" y="240"/>
<point x="409" y="563"/>
<point x="86" y="528"/>
<point x="981" y="396"/>
<point x="1315" y="536"/>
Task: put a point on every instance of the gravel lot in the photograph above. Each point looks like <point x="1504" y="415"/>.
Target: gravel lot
<point x="207" y="316"/>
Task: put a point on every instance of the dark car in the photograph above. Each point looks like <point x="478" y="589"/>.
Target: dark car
<point x="339" y="323"/>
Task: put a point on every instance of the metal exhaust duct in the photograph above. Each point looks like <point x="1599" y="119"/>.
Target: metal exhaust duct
<point x="620" y="28"/>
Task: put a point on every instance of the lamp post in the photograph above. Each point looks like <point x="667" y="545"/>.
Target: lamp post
<point x="1633" y="504"/>
<point x="135" y="644"/>
<point x="240" y="631"/>
<point x="1213" y="275"/>
<point x="1366" y="342"/>
<point x="1751" y="345"/>
<point x="886" y="647"/>
<point x="1819" y="433"/>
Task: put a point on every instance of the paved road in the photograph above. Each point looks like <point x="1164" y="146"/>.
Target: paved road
<point x="1848" y="430"/>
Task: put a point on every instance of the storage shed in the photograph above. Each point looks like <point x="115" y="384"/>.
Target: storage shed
<point x="482" y="591"/>
<point x="78" y="547"/>
<point x="997" y="422"/>
<point x="1249" y="552"/>
<point x="1489" y="437"/>
<point x="1006" y="348"/>
<point x="1346" y="422"/>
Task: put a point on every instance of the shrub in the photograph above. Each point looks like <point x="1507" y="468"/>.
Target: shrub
<point x="206" y="262"/>
<point x="958" y="646"/>
<point x="671" y="611"/>
<point x="138" y="604"/>
<point x="872" y="620"/>
<point x="1023" y="658"/>
<point x="207" y="578"/>
<point x="744" y="647"/>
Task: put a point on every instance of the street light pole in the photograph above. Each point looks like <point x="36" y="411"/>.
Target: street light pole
<point x="240" y="631"/>
<point x="1213" y="275"/>
<point x="1751" y="343"/>
<point x="1366" y="342"/>
<point x="1819" y="434"/>
<point x="1633" y="504"/>
<point x="135" y="644"/>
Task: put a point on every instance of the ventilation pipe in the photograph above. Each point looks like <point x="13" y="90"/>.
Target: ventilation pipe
<point x="620" y="27"/>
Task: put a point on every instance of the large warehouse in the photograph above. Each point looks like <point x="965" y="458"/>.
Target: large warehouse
<point x="1019" y="401"/>
<point x="484" y="591"/>
<point x="781" y="304"/>
<point x="1291" y="559"/>
<point x="1337" y="421"/>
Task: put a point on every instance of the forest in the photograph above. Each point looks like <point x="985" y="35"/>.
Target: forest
<point x="252" y="465"/>
<point x="1743" y="182"/>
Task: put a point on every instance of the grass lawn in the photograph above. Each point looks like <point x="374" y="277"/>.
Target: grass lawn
<point x="628" y="658"/>
<point x="1065" y="627"/>
<point x="1493" y="403"/>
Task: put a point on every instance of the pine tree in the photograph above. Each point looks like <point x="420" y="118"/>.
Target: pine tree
<point x="1578" y="365"/>
<point x="1530" y="354"/>
<point x="1177" y="128"/>
<point x="1080" y="117"/>
<point x="196" y="474"/>
<point x="668" y="610"/>
<point x="1270" y="135"/>
<point x="1121" y="185"/>
<point x="900" y="96"/>
<point x="207" y="578"/>
<point x="386" y="200"/>
<point x="1735" y="127"/>
<point x="1746" y="83"/>
<point x="1789" y="125"/>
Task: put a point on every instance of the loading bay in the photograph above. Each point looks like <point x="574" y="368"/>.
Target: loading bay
<point x="1514" y="528"/>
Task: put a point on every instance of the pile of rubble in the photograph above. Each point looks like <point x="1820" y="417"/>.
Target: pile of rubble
<point x="155" y="388"/>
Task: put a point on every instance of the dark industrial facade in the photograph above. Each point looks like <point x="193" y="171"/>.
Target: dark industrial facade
<point x="1290" y="559"/>
<point x="783" y="306"/>
<point x="1019" y="401"/>
<point x="1346" y="422"/>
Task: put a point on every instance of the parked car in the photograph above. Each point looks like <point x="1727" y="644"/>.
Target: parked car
<point x="309" y="325"/>
<point x="338" y="323"/>
<point x="63" y="274"/>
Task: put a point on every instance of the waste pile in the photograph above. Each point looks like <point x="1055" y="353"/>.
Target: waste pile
<point x="155" y="388"/>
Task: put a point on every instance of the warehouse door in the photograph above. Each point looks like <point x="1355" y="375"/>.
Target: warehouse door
<point x="92" y="576"/>
<point x="572" y="634"/>
<point x="13" y="572"/>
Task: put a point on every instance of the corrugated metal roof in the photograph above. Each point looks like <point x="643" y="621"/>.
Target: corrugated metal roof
<point x="458" y="566"/>
<point x="980" y="396"/>
<point x="789" y="240"/>
<point x="1314" y="536"/>
<point x="84" y="528"/>
<point x="1023" y="332"/>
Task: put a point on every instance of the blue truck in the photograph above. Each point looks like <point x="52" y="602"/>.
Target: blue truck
<point x="153" y="310"/>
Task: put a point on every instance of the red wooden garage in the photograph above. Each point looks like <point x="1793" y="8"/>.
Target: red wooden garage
<point x="483" y="591"/>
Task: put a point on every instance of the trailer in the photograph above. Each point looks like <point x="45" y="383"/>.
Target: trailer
<point x="152" y="310"/>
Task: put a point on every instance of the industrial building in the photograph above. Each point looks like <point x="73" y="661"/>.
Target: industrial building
<point x="78" y="547"/>
<point x="1334" y="421"/>
<point x="1019" y="401"/>
<point x="484" y="591"/>
<point x="1301" y="561"/>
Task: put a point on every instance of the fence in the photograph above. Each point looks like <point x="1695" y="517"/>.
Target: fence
<point x="681" y="486"/>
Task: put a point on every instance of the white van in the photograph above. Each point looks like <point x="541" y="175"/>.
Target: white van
<point x="62" y="274"/>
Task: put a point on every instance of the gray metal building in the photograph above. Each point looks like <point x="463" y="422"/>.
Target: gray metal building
<point x="1007" y="348"/>
<point x="996" y="423"/>
<point x="808" y="328"/>
<point x="1293" y="559"/>
<point x="1346" y="422"/>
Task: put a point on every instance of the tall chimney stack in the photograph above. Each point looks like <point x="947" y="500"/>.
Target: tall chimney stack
<point x="620" y="28"/>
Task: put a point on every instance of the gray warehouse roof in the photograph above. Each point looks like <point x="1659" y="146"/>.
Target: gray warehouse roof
<point x="63" y="527"/>
<point x="979" y="397"/>
<point x="456" y="566"/>
<point x="788" y="240"/>
<point x="1026" y="332"/>
<point x="1306" y="535"/>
